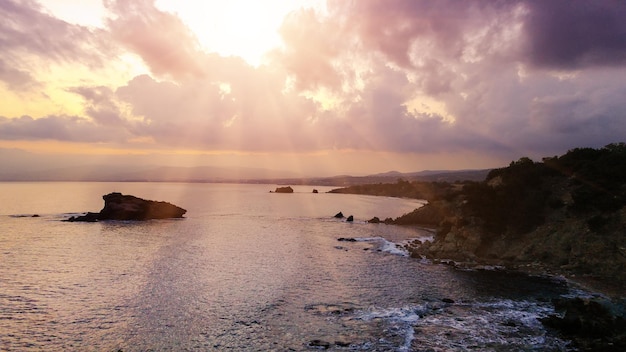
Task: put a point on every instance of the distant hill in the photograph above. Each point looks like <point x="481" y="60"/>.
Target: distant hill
<point x="391" y="177"/>
<point x="20" y="165"/>
<point x="44" y="170"/>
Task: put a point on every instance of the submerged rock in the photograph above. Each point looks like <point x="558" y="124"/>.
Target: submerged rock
<point x="118" y="206"/>
<point x="319" y="344"/>
<point x="346" y="239"/>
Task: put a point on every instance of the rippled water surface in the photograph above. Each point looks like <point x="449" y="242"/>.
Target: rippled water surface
<point x="246" y="270"/>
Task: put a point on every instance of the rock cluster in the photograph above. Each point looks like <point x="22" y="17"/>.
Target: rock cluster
<point x="594" y="325"/>
<point x="118" y="206"/>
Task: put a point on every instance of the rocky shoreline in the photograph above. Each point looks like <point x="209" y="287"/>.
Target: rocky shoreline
<point x="564" y="216"/>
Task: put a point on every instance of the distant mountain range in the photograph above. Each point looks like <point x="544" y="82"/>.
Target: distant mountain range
<point x="391" y="177"/>
<point x="126" y="173"/>
<point x="120" y="173"/>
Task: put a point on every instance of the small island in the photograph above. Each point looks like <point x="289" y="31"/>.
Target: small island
<point x="287" y="189"/>
<point x="118" y="206"/>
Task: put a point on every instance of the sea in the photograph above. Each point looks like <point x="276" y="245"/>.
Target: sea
<point x="247" y="270"/>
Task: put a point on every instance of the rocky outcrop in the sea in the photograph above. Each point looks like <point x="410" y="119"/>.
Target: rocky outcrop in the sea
<point x="118" y="206"/>
<point x="287" y="189"/>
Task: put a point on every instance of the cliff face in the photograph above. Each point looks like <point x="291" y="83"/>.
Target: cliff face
<point x="566" y="214"/>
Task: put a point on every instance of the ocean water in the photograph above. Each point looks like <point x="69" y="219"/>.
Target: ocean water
<point x="246" y="270"/>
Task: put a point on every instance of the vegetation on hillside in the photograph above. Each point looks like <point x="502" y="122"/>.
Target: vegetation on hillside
<point x="429" y="191"/>
<point x="516" y="199"/>
<point x="565" y="212"/>
<point x="565" y="215"/>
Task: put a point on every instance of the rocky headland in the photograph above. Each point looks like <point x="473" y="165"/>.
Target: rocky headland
<point x="118" y="206"/>
<point x="565" y="215"/>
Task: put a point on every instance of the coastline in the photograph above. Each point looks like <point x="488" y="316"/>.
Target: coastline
<point x="564" y="217"/>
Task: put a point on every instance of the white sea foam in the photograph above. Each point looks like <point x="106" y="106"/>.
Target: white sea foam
<point x="509" y="324"/>
<point x="400" y="248"/>
<point x="401" y="320"/>
<point x="497" y="325"/>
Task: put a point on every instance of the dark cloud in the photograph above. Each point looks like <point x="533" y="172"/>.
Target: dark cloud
<point x="571" y="34"/>
<point x="559" y="34"/>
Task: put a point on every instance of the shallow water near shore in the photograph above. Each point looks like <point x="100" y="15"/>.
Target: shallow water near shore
<point x="246" y="270"/>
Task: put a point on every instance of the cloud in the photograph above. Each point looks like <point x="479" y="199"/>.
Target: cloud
<point x="483" y="62"/>
<point x="565" y="34"/>
<point x="101" y="105"/>
<point x="160" y="38"/>
<point x="506" y="77"/>
<point x="232" y="114"/>
<point x="29" y="37"/>
<point x="59" y="128"/>
<point x="16" y="79"/>
<point x="311" y="47"/>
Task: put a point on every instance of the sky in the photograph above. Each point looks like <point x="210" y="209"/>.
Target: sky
<point x="317" y="88"/>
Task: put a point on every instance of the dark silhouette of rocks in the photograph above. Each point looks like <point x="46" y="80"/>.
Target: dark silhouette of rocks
<point x="87" y="217"/>
<point x="319" y="344"/>
<point x="350" y="218"/>
<point x="592" y="324"/>
<point x="374" y="220"/>
<point x="346" y="239"/>
<point x="126" y="207"/>
<point x="315" y="191"/>
<point x="287" y="189"/>
<point x="339" y="215"/>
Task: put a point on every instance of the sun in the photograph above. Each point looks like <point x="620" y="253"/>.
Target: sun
<point x="248" y="29"/>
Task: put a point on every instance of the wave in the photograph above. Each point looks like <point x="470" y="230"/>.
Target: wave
<point x="487" y="326"/>
<point x="395" y="248"/>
